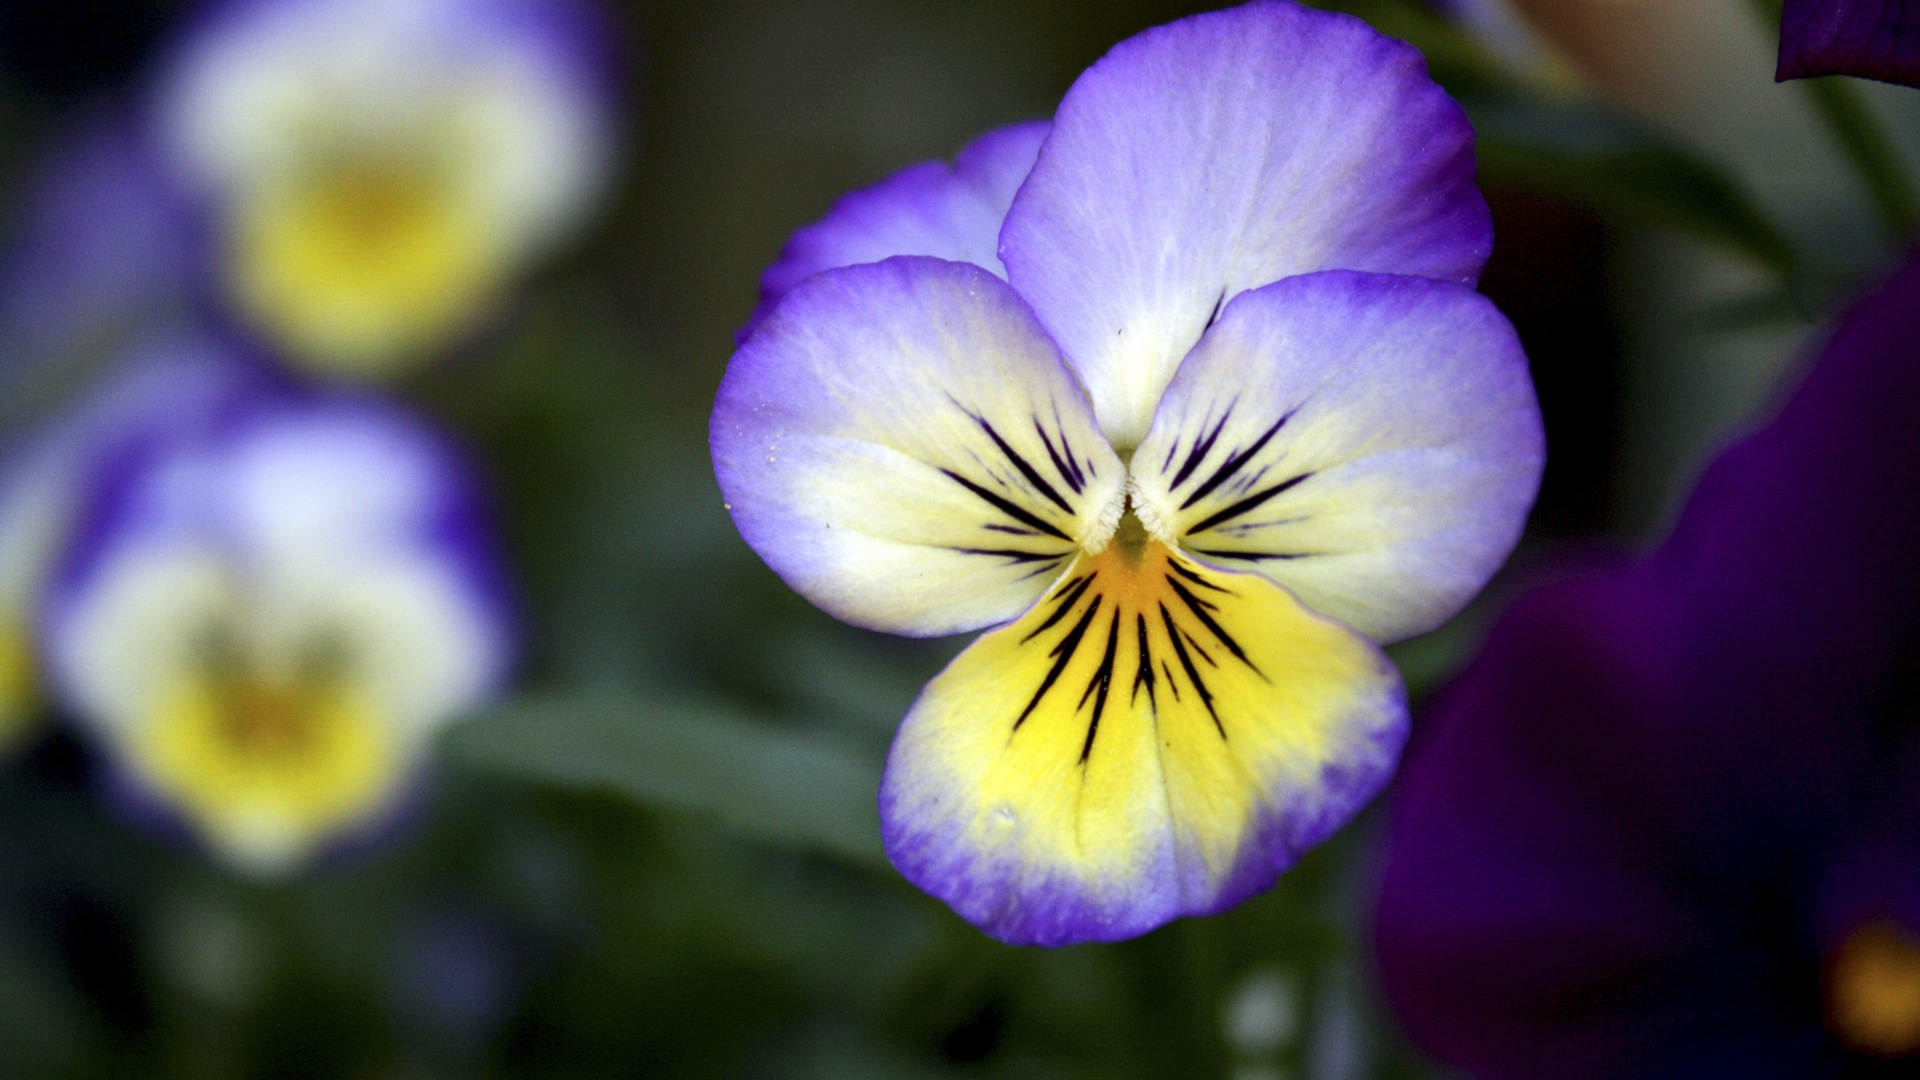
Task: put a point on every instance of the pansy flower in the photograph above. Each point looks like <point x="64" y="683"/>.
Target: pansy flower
<point x="1232" y="416"/>
<point x="1873" y="39"/>
<point x="1667" y="824"/>
<point x="375" y="172"/>
<point x="264" y="620"/>
<point x="159" y="390"/>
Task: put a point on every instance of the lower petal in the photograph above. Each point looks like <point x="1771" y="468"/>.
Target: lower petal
<point x="266" y="781"/>
<point x="1153" y="739"/>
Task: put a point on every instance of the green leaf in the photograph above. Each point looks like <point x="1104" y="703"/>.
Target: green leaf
<point x="1594" y="157"/>
<point x="781" y="785"/>
<point x="41" y="1023"/>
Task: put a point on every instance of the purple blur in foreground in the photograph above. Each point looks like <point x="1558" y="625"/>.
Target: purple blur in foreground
<point x="1668" y="823"/>
<point x="1873" y="39"/>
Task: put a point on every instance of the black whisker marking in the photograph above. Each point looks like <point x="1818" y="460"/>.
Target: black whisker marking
<point x="1063" y="603"/>
<point x="1194" y="576"/>
<point x="1043" y="568"/>
<point x="1201" y="449"/>
<point x="1012" y="555"/>
<point x="1027" y="470"/>
<point x="1253" y="556"/>
<point x="1235" y="463"/>
<point x="1063" y="654"/>
<point x="1201" y="609"/>
<point x="1214" y="315"/>
<point x="1194" y="644"/>
<point x="1193" y="673"/>
<point x="1246" y="505"/>
<point x="1246" y="482"/>
<point x="1011" y="509"/>
<point x="1069" y="471"/>
<point x="1256" y="526"/>
<point x="1103" y="679"/>
<point x="1173" y="684"/>
<point x="1011" y="530"/>
<point x="1143" y="672"/>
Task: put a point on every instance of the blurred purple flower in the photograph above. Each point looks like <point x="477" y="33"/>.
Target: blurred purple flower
<point x="375" y="174"/>
<point x="1668" y="823"/>
<point x="1873" y="39"/>
<point x="99" y="252"/>
<point x="268" y="609"/>
<point x="168" y="386"/>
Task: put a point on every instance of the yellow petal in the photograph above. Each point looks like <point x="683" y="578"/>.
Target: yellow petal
<point x="1155" y="738"/>
<point x="361" y="268"/>
<point x="268" y="774"/>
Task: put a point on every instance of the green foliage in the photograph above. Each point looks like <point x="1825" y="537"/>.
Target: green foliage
<point x="779" y="785"/>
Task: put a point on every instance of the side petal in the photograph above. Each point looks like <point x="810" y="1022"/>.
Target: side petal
<point x="1873" y="39"/>
<point x="1154" y="739"/>
<point x="950" y="212"/>
<point x="1371" y="442"/>
<point x="902" y="443"/>
<point x="1218" y="154"/>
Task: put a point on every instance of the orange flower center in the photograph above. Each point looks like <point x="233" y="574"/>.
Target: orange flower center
<point x="1873" y="991"/>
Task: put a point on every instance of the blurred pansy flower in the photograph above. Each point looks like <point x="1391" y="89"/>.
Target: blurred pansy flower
<point x="1873" y="39"/>
<point x="1234" y="414"/>
<point x="377" y="171"/>
<point x="161" y="388"/>
<point x="264" y="621"/>
<point x="1668" y="823"/>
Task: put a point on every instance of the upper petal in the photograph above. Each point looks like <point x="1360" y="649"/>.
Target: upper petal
<point x="1218" y="154"/>
<point x="1371" y="442"/>
<point x="947" y="211"/>
<point x="1874" y="39"/>
<point x="1153" y="740"/>
<point x="902" y="443"/>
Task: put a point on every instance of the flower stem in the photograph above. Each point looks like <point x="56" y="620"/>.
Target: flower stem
<point x="1867" y="146"/>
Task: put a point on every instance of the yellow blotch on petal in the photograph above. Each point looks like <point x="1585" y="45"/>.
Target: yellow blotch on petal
<point x="268" y="771"/>
<point x="1873" y="991"/>
<point x="361" y="267"/>
<point x="1145" y="728"/>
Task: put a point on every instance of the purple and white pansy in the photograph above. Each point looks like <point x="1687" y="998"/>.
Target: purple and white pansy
<point x="375" y="173"/>
<point x="1195" y="406"/>
<point x="265" y="615"/>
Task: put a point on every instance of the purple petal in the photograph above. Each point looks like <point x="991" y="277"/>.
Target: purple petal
<point x="1370" y="442"/>
<point x="1625" y="836"/>
<point x="1873" y="39"/>
<point x="273" y="488"/>
<point x="951" y="212"/>
<point x="104" y="245"/>
<point x="1221" y="153"/>
<point x="902" y="443"/>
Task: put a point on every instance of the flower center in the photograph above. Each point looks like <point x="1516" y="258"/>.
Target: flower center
<point x="357" y="258"/>
<point x="1873" y="991"/>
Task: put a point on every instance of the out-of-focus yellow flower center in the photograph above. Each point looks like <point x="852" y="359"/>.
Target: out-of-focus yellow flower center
<point x="19" y="687"/>
<point x="361" y="265"/>
<point x="1873" y="993"/>
<point x="268" y="768"/>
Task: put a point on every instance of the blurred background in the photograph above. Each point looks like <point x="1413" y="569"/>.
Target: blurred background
<point x="654" y="850"/>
